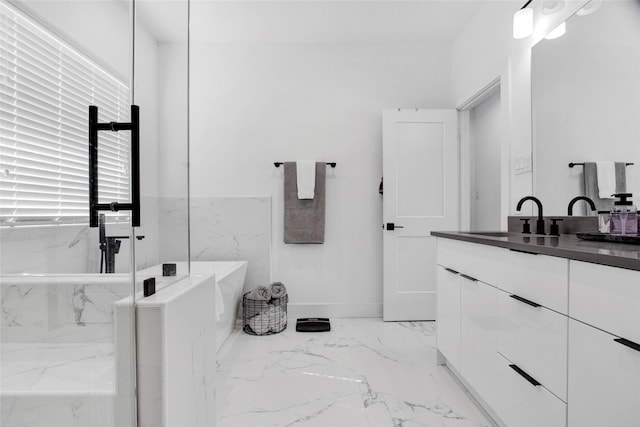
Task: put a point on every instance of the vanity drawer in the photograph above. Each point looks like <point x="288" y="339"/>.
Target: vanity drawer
<point x="604" y="379"/>
<point x="535" y="339"/>
<point x="539" y="278"/>
<point x="475" y="260"/>
<point x="520" y="403"/>
<point x="606" y="297"/>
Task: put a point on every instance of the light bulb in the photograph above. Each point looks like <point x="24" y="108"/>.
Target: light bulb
<point x="523" y="23"/>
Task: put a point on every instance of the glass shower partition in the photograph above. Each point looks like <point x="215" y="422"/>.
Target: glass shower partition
<point x="68" y="341"/>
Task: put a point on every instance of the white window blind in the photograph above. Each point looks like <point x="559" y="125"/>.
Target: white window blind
<point x="46" y="87"/>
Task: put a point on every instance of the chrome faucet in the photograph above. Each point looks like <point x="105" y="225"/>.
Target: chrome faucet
<point x="540" y="221"/>
<point x="575" y="199"/>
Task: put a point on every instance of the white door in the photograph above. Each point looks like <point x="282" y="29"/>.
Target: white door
<point x="421" y="193"/>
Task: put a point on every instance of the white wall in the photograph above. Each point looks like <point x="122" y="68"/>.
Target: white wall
<point x="100" y="28"/>
<point x="486" y="50"/>
<point x="171" y="87"/>
<point x="253" y="104"/>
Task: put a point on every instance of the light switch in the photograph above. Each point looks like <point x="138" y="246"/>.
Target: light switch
<point x="522" y="163"/>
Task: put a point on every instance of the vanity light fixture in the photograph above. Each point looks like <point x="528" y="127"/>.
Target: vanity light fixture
<point x="557" y="32"/>
<point x="523" y="22"/>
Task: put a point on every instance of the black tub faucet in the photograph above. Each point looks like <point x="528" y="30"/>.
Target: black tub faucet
<point x="575" y="199"/>
<point x="540" y="221"/>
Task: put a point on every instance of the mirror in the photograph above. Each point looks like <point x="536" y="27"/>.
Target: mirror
<point x="586" y="101"/>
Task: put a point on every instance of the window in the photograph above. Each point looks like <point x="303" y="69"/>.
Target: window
<point x="46" y="87"/>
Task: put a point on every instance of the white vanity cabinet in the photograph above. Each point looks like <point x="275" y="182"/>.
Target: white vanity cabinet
<point x="542" y="340"/>
<point x="532" y="339"/>
<point x="604" y="379"/>
<point x="448" y="313"/>
<point x="535" y="277"/>
<point x="520" y="403"/>
<point x="459" y="265"/>
<point x="478" y="323"/>
<point x="535" y="339"/>
<point x="468" y="341"/>
<point x="604" y="346"/>
<point x="532" y="307"/>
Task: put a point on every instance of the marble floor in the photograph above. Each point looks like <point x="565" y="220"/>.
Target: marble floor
<point x="364" y="373"/>
<point x="57" y="368"/>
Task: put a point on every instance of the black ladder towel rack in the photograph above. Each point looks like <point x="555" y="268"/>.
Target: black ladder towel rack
<point x="94" y="128"/>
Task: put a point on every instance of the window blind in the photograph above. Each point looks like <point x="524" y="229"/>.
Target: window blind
<point x="46" y="87"/>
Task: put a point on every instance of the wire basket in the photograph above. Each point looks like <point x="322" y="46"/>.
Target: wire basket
<point x="264" y="317"/>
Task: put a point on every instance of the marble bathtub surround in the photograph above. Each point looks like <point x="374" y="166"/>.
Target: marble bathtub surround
<point x="364" y="372"/>
<point x="176" y="347"/>
<point x="58" y="384"/>
<point x="75" y="249"/>
<point x="64" y="308"/>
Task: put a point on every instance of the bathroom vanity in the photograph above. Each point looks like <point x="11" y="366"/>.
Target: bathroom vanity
<point x="543" y="330"/>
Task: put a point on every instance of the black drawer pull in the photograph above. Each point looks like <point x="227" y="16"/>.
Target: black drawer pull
<point x="473" y="279"/>
<point x="526" y="301"/>
<point x="628" y="343"/>
<point x="451" y="271"/>
<point x="523" y="252"/>
<point x="525" y="375"/>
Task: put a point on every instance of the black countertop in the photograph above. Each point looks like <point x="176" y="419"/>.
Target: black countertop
<point x="563" y="246"/>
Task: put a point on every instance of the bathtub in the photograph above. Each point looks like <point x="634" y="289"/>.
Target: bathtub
<point x="59" y="353"/>
<point x="230" y="277"/>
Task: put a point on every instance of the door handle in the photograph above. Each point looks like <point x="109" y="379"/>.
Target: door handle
<point x="94" y="205"/>
<point x="391" y="226"/>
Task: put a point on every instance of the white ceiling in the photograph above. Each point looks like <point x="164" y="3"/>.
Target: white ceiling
<point x="309" y="21"/>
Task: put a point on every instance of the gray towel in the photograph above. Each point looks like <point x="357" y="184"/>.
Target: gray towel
<point x="303" y="219"/>
<point x="278" y="290"/>
<point x="591" y="184"/>
<point x="256" y="301"/>
<point x="261" y="293"/>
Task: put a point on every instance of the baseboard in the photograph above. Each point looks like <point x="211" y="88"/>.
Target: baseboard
<point x="473" y="395"/>
<point x="295" y="311"/>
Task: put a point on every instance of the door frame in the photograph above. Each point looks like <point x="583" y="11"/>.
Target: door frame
<point x="466" y="161"/>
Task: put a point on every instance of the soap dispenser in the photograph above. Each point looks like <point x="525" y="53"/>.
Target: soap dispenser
<point x="624" y="216"/>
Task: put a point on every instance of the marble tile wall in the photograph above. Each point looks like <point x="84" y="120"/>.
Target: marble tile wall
<point x="68" y="249"/>
<point x="222" y="229"/>
<point x="52" y="249"/>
